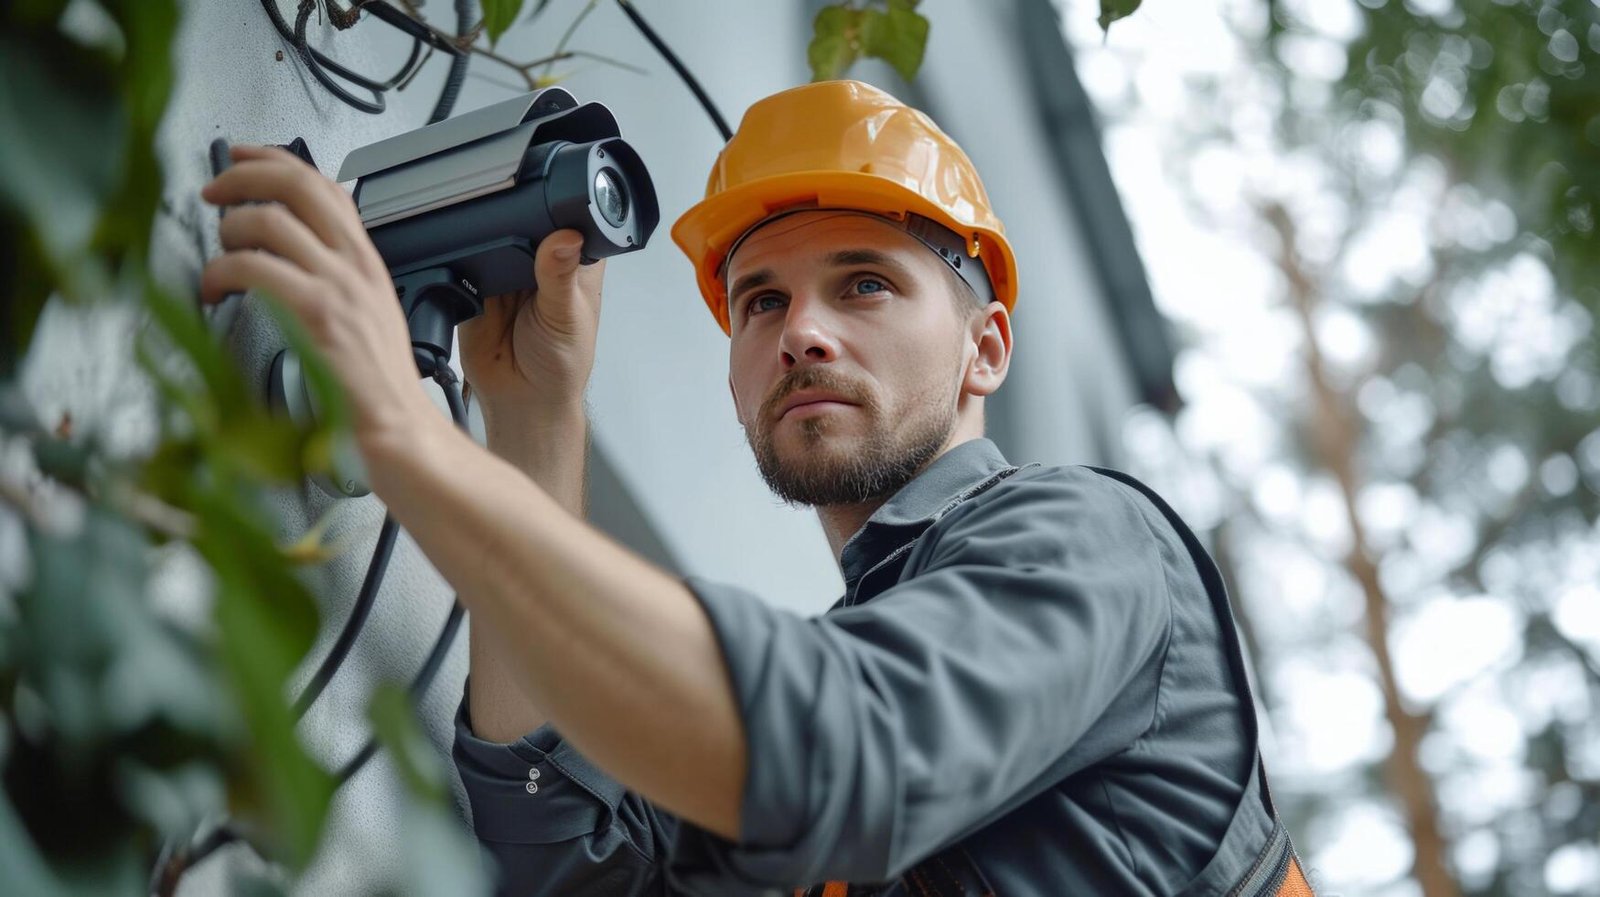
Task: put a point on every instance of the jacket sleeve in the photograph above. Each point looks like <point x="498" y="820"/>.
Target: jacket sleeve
<point x="1027" y="646"/>
<point x="554" y="824"/>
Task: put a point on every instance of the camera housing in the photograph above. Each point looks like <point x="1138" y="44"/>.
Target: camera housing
<point x="458" y="208"/>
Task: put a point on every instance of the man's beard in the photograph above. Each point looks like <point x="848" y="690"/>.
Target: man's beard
<point x="883" y="462"/>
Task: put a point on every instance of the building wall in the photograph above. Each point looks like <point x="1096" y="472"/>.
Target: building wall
<point x="674" y="477"/>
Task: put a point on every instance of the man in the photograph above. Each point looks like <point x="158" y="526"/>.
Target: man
<point x="1032" y="685"/>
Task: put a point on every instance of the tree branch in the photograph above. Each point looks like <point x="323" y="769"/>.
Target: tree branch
<point x="343" y="19"/>
<point x="1336" y="437"/>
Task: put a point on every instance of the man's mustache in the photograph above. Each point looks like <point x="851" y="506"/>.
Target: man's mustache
<point x="814" y="378"/>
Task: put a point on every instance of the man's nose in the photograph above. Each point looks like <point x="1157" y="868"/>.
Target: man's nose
<point x="808" y="334"/>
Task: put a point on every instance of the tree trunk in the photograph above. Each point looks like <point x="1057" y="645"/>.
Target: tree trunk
<point x="1337" y="438"/>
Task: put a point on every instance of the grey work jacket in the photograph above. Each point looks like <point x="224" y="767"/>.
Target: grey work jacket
<point x="1030" y="688"/>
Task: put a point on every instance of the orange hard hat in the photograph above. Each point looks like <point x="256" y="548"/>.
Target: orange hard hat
<point x="840" y="145"/>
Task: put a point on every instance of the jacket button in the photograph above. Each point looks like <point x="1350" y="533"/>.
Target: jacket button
<point x="533" y="787"/>
<point x="533" y="774"/>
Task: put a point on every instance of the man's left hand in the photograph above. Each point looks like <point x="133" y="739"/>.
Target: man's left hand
<point x="305" y="245"/>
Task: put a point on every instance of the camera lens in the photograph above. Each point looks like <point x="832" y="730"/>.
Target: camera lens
<point x="611" y="197"/>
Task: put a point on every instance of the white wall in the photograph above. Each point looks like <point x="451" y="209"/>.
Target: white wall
<point x="1069" y="380"/>
<point x="662" y="413"/>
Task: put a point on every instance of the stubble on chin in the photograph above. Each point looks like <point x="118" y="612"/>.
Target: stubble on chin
<point x="824" y="465"/>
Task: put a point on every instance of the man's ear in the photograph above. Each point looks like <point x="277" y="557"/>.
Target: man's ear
<point x="991" y="333"/>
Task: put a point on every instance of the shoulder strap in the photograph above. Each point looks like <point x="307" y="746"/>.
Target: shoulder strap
<point x="1276" y="870"/>
<point x="1211" y="578"/>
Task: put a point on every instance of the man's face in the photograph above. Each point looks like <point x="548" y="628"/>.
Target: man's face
<point x="847" y="355"/>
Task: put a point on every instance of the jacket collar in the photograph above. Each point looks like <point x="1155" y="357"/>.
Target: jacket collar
<point x="943" y="484"/>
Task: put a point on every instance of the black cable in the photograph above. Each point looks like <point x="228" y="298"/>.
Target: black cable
<point x="377" y="105"/>
<point x="452" y="396"/>
<point x="419" y="685"/>
<point x="446" y="378"/>
<point x="316" y="61"/>
<point x="376" y="568"/>
<point x="677" y="66"/>
<point x="358" y="617"/>
<point x="466" y="10"/>
<point x="175" y="862"/>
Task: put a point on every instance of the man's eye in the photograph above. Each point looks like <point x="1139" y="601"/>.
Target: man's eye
<point x="760" y="303"/>
<point x="873" y="281"/>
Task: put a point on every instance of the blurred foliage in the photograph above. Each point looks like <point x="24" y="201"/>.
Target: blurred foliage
<point x="891" y="30"/>
<point x="123" y="728"/>
<point x="120" y="728"/>
<point x="1475" y="125"/>
<point x="1506" y="95"/>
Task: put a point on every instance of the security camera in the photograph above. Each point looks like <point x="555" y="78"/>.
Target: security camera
<point x="457" y="208"/>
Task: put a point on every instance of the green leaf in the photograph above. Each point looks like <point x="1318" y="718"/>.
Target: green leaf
<point x="835" y="41"/>
<point x="22" y="870"/>
<point x="16" y="414"/>
<point x="898" y="36"/>
<point x="65" y="137"/>
<point x="83" y="609"/>
<point x="247" y="882"/>
<point x="498" y="16"/>
<point x="219" y="374"/>
<point x="394" y="723"/>
<point x="327" y="393"/>
<point x="86" y="587"/>
<point x="1112" y="10"/>
<point x="233" y="419"/>
<point x="267" y="622"/>
<point x="26" y="278"/>
<point x="166" y="474"/>
<point x="441" y="858"/>
<point x="266" y="448"/>
<point x="145" y="84"/>
<point x="329" y="445"/>
<point x="31" y="13"/>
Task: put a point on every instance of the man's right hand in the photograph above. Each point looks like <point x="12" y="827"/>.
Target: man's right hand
<point x="529" y="355"/>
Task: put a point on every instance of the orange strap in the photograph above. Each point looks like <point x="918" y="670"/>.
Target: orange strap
<point x="1294" y="882"/>
<point x="831" y="889"/>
